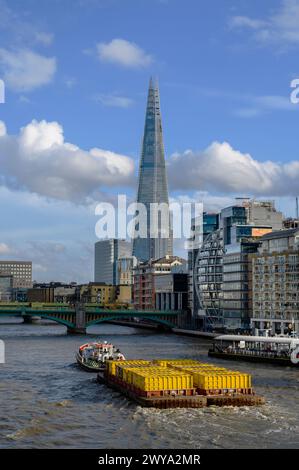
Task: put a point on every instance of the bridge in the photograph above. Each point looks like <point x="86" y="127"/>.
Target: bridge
<point x="77" y="318"/>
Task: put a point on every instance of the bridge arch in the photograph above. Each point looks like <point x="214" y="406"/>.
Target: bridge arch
<point x="154" y="319"/>
<point x="55" y="319"/>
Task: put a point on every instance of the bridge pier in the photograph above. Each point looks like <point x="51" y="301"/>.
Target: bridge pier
<point x="80" y="326"/>
<point x="163" y="328"/>
<point x="28" y="319"/>
<point x="76" y="331"/>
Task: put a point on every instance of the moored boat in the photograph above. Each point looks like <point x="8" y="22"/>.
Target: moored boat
<point x="92" y="357"/>
<point x="276" y="350"/>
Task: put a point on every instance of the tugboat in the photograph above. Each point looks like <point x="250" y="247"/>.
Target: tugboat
<point x="92" y="357"/>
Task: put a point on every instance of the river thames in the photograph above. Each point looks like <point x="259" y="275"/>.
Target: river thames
<point x="48" y="402"/>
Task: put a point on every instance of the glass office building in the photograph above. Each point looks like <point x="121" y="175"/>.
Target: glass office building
<point x="152" y="184"/>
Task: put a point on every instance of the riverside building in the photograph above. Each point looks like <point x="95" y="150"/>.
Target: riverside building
<point x="276" y="283"/>
<point x="200" y="228"/>
<point x="222" y="269"/>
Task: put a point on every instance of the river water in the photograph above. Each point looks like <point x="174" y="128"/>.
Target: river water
<point x="48" y="402"/>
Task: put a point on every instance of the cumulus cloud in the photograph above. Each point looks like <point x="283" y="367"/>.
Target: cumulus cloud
<point x="40" y="161"/>
<point x="25" y="70"/>
<point x="223" y="169"/>
<point x="280" y="27"/>
<point x="125" y="53"/>
<point x="211" y="202"/>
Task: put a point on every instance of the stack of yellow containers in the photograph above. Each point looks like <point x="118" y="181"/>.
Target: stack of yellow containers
<point x="210" y="377"/>
<point x="112" y="365"/>
<point x="177" y="374"/>
<point x="123" y="368"/>
<point x="159" y="378"/>
<point x="222" y="380"/>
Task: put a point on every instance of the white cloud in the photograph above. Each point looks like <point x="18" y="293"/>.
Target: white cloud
<point x="40" y="161"/>
<point x="211" y="202"/>
<point x="2" y="129"/>
<point x="258" y="105"/>
<point x="225" y="170"/>
<point x="21" y="27"/>
<point x="4" y="249"/>
<point x="39" y="268"/>
<point x="247" y="112"/>
<point x="25" y="70"/>
<point x="281" y="27"/>
<point x="70" y="82"/>
<point x="113" y="100"/>
<point x="24" y="99"/>
<point x="245" y="21"/>
<point x="275" y="102"/>
<point x="43" y="38"/>
<point x="125" y="53"/>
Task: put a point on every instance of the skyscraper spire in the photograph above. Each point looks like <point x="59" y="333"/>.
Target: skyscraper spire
<point x="152" y="183"/>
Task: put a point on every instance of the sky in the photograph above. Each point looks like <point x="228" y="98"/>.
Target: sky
<point x="76" y="74"/>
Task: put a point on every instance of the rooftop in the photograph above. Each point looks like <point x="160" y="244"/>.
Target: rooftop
<point x="280" y="234"/>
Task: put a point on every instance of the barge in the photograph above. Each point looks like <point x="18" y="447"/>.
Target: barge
<point x="274" y="350"/>
<point x="179" y="384"/>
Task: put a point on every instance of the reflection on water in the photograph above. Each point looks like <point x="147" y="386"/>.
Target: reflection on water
<point x="48" y="402"/>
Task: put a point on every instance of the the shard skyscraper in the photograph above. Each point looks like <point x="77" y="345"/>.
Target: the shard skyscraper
<point x="152" y="182"/>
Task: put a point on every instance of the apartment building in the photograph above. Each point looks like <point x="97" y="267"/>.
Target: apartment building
<point x="275" y="281"/>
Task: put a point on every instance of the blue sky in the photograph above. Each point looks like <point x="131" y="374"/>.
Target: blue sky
<point x="77" y="71"/>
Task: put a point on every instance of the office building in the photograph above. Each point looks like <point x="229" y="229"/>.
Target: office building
<point x="146" y="274"/>
<point x="201" y="227"/>
<point x="152" y="184"/>
<point x="21" y="271"/>
<point x="107" y="254"/>
<point x="171" y="291"/>
<point x="6" y="288"/>
<point x="126" y="266"/>
<point x="105" y="295"/>
<point x="222" y="269"/>
<point x="261" y="212"/>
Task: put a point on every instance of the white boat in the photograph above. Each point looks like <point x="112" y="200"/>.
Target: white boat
<point x="283" y="350"/>
<point x="93" y="356"/>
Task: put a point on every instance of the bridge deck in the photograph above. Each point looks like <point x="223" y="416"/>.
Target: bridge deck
<point x="81" y="316"/>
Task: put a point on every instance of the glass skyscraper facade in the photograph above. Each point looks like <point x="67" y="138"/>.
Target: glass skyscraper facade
<point x="152" y="183"/>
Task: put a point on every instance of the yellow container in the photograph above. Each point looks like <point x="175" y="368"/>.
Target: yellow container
<point x="221" y="380"/>
<point x="123" y="366"/>
<point x="111" y="365"/>
<point x="160" y="381"/>
<point x="166" y="362"/>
